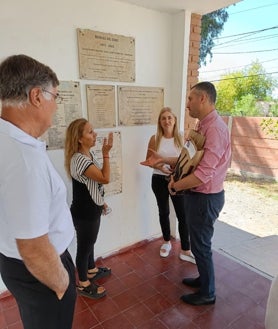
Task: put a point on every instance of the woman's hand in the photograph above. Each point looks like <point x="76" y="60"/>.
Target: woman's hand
<point x="107" y="144"/>
<point x="153" y="160"/>
<point x="166" y="169"/>
<point x="106" y="209"/>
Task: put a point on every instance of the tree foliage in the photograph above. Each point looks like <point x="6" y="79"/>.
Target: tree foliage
<point x="270" y="126"/>
<point x="211" y="26"/>
<point x="239" y="92"/>
<point x="246" y="105"/>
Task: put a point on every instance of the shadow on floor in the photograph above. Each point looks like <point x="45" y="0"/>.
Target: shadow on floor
<point x="257" y="253"/>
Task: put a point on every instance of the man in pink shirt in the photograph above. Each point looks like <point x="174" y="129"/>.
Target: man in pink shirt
<point x="203" y="188"/>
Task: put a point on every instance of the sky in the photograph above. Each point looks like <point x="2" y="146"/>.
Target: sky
<point x="235" y="51"/>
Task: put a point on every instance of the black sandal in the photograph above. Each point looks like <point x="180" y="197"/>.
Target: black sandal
<point x="101" y="273"/>
<point x="91" y="291"/>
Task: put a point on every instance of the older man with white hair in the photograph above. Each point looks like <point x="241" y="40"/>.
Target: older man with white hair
<point x="35" y="221"/>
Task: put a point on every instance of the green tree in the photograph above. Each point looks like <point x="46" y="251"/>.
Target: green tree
<point x="274" y="109"/>
<point x="211" y="27"/>
<point x="239" y="91"/>
<point x="228" y="91"/>
<point x="246" y="106"/>
<point x="258" y="82"/>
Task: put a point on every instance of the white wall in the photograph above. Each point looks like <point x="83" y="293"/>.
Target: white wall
<point x="47" y="32"/>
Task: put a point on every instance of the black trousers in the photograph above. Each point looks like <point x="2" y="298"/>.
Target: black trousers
<point x="87" y="228"/>
<point x="160" y="190"/>
<point x="86" y="235"/>
<point x="38" y="305"/>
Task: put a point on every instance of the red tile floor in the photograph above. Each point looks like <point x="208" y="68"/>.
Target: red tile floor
<point x="144" y="292"/>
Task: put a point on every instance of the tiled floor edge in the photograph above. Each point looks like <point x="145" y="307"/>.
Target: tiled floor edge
<point x="239" y="261"/>
<point x="129" y="248"/>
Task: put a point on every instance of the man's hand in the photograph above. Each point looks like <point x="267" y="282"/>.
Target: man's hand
<point x="42" y="260"/>
<point x="170" y="186"/>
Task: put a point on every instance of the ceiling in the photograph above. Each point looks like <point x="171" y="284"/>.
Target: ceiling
<point x="174" y="6"/>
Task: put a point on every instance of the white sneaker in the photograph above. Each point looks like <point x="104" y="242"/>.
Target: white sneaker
<point x="188" y="258"/>
<point x="165" y="249"/>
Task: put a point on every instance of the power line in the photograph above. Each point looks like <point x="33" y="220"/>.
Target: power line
<point x="251" y="32"/>
<point x="235" y="67"/>
<point x="245" y="76"/>
<point x="242" y="11"/>
<point x="235" y="42"/>
<point x="243" y="39"/>
<point x="246" y="52"/>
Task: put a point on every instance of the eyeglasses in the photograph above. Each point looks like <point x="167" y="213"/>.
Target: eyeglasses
<point x="56" y="97"/>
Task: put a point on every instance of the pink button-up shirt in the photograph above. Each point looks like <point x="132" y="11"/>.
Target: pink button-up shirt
<point x="217" y="152"/>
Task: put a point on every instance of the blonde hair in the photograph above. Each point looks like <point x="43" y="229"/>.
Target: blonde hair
<point x="160" y="133"/>
<point x="73" y="134"/>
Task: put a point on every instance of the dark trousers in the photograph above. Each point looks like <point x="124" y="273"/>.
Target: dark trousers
<point x="160" y="190"/>
<point x="86" y="235"/>
<point x="38" y="305"/>
<point x="202" y="211"/>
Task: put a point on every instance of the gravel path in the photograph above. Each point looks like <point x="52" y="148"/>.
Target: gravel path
<point x="248" y="209"/>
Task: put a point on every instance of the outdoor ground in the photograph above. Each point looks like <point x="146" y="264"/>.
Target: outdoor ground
<point x="251" y="205"/>
<point x="247" y="228"/>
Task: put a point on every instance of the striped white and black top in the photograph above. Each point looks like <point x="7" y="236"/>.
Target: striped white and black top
<point x="79" y="163"/>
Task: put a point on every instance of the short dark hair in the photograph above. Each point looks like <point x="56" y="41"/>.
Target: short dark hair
<point x="20" y="73"/>
<point x="208" y="88"/>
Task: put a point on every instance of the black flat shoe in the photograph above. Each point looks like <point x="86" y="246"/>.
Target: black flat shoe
<point x="197" y="299"/>
<point x="191" y="282"/>
<point x="102" y="272"/>
<point x="91" y="291"/>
